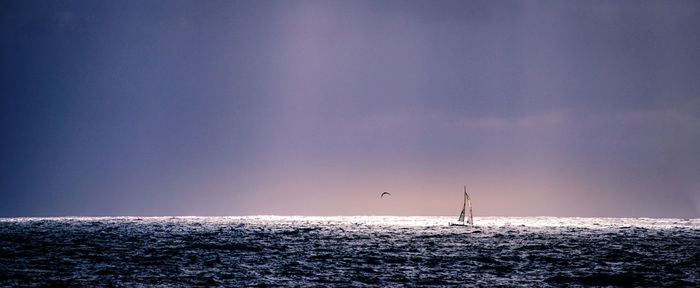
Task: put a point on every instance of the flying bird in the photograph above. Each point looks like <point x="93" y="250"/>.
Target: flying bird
<point x="384" y="193"/>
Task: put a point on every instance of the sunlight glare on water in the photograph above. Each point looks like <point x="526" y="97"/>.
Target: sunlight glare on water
<point x="348" y="251"/>
<point x="480" y="222"/>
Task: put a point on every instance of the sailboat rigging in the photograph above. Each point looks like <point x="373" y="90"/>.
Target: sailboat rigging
<point x="467" y="202"/>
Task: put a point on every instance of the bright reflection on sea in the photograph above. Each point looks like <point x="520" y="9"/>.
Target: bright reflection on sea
<point x="406" y="221"/>
<point x="480" y="222"/>
<point x="312" y="251"/>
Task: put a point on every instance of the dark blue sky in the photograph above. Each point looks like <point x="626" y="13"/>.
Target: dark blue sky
<point x="562" y="108"/>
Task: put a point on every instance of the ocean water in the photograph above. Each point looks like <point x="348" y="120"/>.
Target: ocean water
<point x="349" y="251"/>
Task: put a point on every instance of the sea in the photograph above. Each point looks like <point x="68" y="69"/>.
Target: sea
<point x="358" y="251"/>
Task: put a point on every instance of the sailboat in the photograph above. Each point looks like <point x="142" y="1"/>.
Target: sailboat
<point x="470" y="220"/>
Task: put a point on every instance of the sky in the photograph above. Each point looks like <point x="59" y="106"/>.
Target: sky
<point x="542" y="108"/>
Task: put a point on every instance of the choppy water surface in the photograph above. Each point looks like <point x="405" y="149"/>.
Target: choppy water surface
<point x="348" y="251"/>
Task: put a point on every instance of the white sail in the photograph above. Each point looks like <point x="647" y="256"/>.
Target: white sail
<point x="461" y="215"/>
<point x="467" y="201"/>
<point x="471" y="220"/>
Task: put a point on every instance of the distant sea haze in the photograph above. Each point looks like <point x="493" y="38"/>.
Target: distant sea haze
<point x="349" y="251"/>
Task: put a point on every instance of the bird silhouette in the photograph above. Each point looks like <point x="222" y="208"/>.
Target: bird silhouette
<point x="384" y="193"/>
